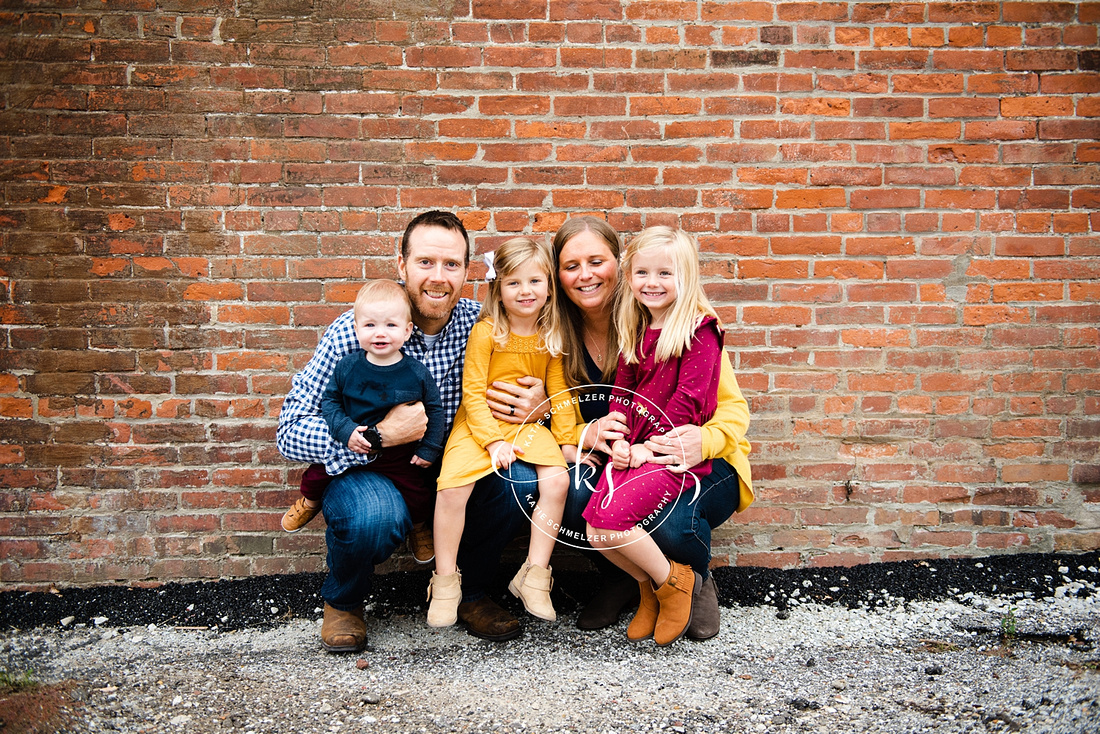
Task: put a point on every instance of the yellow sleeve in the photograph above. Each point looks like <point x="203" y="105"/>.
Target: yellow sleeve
<point x="723" y="436"/>
<point x="475" y="381"/>
<point x="563" y="412"/>
<point x="723" y="433"/>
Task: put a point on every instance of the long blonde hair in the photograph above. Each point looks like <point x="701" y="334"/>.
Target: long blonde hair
<point x="687" y="310"/>
<point x="571" y="317"/>
<point x="508" y="257"/>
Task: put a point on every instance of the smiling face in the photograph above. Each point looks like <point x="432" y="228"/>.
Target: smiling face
<point x="588" y="272"/>
<point x="382" y="327"/>
<point x="523" y="293"/>
<point x="434" y="272"/>
<point x="653" y="282"/>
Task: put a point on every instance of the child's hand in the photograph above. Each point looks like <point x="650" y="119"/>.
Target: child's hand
<point x="639" y="455"/>
<point x="424" y="463"/>
<point x="620" y="454"/>
<point x="358" y="444"/>
<point x="501" y="454"/>
<point x="574" y="456"/>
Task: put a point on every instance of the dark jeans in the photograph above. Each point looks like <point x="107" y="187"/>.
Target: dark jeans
<point x="684" y="535"/>
<point x="367" y="520"/>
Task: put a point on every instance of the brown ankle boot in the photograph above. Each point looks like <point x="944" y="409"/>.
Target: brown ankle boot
<point x="645" y="619"/>
<point x="610" y="601"/>
<point x="675" y="597"/>
<point x="343" y="631"/>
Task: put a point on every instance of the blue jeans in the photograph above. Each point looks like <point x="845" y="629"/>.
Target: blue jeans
<point x="367" y="520"/>
<point x="684" y="535"/>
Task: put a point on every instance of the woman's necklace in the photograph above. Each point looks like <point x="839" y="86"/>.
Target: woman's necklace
<point x="593" y="349"/>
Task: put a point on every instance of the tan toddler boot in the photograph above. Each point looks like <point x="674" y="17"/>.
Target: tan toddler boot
<point x="532" y="585"/>
<point x="445" y="594"/>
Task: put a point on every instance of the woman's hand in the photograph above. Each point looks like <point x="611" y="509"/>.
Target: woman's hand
<point x="404" y="423"/>
<point x="682" y="446"/>
<point x="516" y="403"/>
<point x="501" y="453"/>
<point x="602" y="433"/>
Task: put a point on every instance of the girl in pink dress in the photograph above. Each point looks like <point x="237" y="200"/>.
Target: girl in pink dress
<point x="667" y="377"/>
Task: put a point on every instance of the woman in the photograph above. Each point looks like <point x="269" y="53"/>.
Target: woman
<point x="587" y="249"/>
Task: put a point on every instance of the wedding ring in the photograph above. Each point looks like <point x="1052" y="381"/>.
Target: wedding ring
<point x="511" y="410"/>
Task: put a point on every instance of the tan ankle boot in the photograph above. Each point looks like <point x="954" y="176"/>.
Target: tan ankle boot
<point x="645" y="619"/>
<point x="675" y="597"/>
<point x="445" y="594"/>
<point x="532" y="585"/>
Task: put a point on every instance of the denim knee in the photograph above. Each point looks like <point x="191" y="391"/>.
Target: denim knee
<point x="367" y="520"/>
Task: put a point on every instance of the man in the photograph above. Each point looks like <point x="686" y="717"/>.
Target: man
<point x="366" y="516"/>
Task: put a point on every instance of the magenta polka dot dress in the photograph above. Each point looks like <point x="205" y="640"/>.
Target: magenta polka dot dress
<point x="656" y="397"/>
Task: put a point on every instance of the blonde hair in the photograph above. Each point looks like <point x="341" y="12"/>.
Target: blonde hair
<point x="508" y="258"/>
<point x="573" y="358"/>
<point x="688" y="308"/>
<point x="382" y="290"/>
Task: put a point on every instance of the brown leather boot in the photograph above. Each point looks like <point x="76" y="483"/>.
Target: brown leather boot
<point x="488" y="620"/>
<point x="343" y="631"/>
<point x="645" y="619"/>
<point x="608" y="603"/>
<point x="706" y="620"/>
<point x="676" y="598"/>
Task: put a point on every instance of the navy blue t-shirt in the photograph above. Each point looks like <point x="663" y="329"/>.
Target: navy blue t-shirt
<point x="361" y="393"/>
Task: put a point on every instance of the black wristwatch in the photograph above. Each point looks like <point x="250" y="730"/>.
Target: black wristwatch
<point x="374" y="438"/>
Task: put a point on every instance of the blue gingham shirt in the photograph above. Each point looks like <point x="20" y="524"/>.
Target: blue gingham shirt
<point x="303" y="434"/>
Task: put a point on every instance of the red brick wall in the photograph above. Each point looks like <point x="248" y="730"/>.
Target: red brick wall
<point x="897" y="205"/>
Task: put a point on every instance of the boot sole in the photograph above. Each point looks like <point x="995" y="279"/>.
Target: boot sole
<point x="445" y="624"/>
<point x="344" y="648"/>
<point x="502" y="637"/>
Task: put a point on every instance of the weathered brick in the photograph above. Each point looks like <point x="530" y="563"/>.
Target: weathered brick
<point x="894" y="203"/>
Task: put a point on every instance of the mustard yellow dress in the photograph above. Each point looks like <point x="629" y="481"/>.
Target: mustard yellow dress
<point x="465" y="459"/>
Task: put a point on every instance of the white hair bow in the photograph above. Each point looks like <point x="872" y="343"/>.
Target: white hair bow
<point x="490" y="274"/>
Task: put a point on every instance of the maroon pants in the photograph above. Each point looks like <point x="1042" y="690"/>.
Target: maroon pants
<point x="416" y="485"/>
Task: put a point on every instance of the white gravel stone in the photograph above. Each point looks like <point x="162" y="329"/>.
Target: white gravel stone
<point x="870" y="672"/>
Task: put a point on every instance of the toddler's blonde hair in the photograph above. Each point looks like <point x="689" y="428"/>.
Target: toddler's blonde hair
<point x="382" y="290"/>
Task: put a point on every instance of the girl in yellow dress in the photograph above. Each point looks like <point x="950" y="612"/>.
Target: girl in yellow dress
<point x="517" y="334"/>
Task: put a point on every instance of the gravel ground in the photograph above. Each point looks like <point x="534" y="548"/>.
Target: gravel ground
<point x="1002" y="644"/>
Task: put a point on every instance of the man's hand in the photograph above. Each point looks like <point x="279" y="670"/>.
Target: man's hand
<point x="682" y="446"/>
<point x="514" y="403"/>
<point x="423" y="463"/>
<point x="358" y="444"/>
<point x="404" y="423"/>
